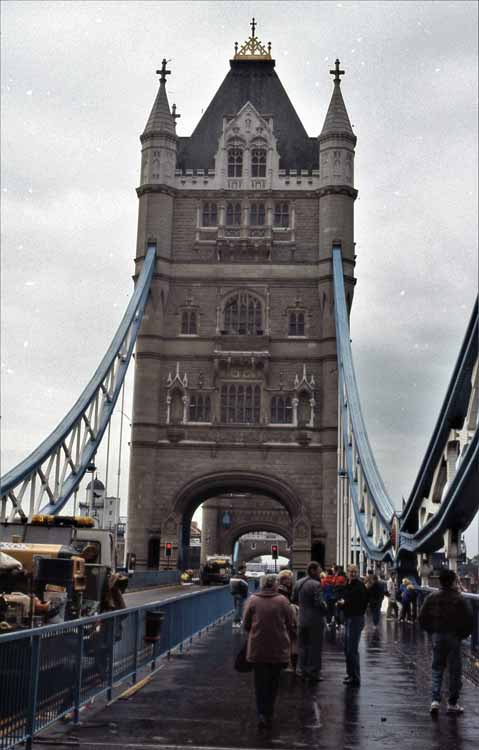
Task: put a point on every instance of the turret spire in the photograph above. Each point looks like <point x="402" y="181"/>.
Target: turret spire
<point x="337" y="120"/>
<point x="160" y="119"/>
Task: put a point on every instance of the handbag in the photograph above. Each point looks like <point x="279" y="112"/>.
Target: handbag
<point x="241" y="664"/>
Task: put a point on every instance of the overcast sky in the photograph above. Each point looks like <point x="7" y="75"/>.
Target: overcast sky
<point x="78" y="83"/>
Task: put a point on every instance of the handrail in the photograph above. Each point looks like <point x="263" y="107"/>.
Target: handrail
<point x="69" y="449"/>
<point x="379" y="496"/>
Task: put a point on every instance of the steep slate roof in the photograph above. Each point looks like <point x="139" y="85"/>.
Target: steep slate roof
<point x="257" y="82"/>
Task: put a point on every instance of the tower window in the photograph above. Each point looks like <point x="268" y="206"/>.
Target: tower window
<point x="210" y="215"/>
<point x="281" y="215"/>
<point x="235" y="162"/>
<point x="258" y="162"/>
<point x="281" y="410"/>
<point x="200" y="408"/>
<point x="296" y="323"/>
<point x="233" y="214"/>
<point x="240" y="404"/>
<point x="189" y="323"/>
<point x="257" y="214"/>
<point x="243" y="316"/>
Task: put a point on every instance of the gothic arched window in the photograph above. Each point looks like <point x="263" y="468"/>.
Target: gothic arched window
<point x="176" y="409"/>
<point x="233" y="214"/>
<point x="240" y="404"/>
<point x="281" y="410"/>
<point x="210" y="215"/>
<point x="281" y="215"/>
<point x="189" y="323"/>
<point x="257" y="214"/>
<point x="200" y="408"/>
<point x="296" y="323"/>
<point x="243" y="315"/>
<point x="235" y="162"/>
<point x="258" y="162"/>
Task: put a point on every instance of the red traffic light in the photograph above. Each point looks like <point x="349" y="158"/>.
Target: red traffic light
<point x="168" y="548"/>
<point x="274" y="551"/>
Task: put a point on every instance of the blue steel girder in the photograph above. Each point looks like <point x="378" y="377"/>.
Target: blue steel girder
<point x="373" y="509"/>
<point x="445" y="495"/>
<point x="54" y="470"/>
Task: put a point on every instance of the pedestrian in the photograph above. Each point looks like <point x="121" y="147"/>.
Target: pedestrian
<point x="446" y="616"/>
<point x="285" y="587"/>
<point x="376" y="595"/>
<point x="268" y="620"/>
<point x="239" y="590"/>
<point x="329" y="583"/>
<point x="312" y="611"/>
<point x="340" y="582"/>
<point x="408" y="601"/>
<point x="392" y="612"/>
<point x="353" y="603"/>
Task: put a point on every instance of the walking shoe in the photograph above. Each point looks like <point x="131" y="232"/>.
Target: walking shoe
<point x="454" y="708"/>
<point x="435" y="706"/>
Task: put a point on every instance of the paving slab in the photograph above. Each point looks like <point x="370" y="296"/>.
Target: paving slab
<point x="197" y="701"/>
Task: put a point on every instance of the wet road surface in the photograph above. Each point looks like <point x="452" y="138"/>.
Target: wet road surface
<point x="198" y="701"/>
<point x="145" y="596"/>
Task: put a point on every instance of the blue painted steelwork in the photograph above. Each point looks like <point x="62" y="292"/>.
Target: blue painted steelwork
<point x="460" y="501"/>
<point x="52" y="671"/>
<point x="54" y="470"/>
<point x="351" y="413"/>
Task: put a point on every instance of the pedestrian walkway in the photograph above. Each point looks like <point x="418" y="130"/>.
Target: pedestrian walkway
<point x="197" y="700"/>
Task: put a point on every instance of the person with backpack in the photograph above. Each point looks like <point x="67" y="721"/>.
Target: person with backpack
<point x="239" y="590"/>
<point x="447" y="617"/>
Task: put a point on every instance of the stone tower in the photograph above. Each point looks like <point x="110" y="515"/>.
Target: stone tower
<point x="235" y="372"/>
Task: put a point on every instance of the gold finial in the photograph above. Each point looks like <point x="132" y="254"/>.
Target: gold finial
<point x="253" y="49"/>
<point x="337" y="73"/>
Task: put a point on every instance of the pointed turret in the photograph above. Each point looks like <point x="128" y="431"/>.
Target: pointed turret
<point x="159" y="139"/>
<point x="336" y="175"/>
<point x="337" y="119"/>
<point x="160" y="120"/>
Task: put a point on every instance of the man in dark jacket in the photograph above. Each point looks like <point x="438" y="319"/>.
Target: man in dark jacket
<point x="447" y="616"/>
<point x="239" y="590"/>
<point x="354" y="603"/>
<point x="308" y="594"/>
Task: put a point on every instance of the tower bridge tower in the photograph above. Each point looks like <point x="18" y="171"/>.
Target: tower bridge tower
<point x="235" y="375"/>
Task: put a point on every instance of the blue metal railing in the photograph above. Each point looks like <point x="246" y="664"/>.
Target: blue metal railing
<point x="351" y="409"/>
<point x="52" y="671"/>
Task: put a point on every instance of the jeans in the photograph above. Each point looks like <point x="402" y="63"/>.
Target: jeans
<point x="446" y="649"/>
<point x="353" y="629"/>
<point x="310" y="649"/>
<point x="375" y="612"/>
<point x="392" y="608"/>
<point x="239" y="603"/>
<point x="266" y="684"/>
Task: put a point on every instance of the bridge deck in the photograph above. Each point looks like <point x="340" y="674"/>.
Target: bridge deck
<point x="197" y="700"/>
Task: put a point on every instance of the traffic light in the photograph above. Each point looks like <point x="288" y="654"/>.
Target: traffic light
<point x="274" y="551"/>
<point x="168" y="548"/>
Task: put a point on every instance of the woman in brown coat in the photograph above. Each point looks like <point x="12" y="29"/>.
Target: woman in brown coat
<point x="268" y="620"/>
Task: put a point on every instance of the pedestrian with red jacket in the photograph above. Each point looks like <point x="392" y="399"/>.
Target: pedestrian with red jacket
<point x="268" y="620"/>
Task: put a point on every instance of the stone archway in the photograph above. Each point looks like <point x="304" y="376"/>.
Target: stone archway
<point x="236" y="483"/>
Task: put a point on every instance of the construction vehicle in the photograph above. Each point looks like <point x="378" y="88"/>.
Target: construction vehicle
<point x="65" y="565"/>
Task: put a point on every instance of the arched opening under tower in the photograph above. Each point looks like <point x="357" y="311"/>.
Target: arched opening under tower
<point x="234" y="504"/>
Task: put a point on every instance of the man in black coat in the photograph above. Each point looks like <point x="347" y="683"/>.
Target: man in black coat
<point x="446" y="615"/>
<point x="354" y="602"/>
